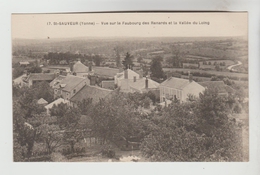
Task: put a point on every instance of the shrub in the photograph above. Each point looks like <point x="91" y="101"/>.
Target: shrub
<point x="237" y="108"/>
<point x="108" y="153"/>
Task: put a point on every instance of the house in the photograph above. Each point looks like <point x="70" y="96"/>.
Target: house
<point x="39" y="77"/>
<point x="126" y="74"/>
<point x="79" y="69"/>
<point x="57" y="81"/>
<point x="20" y="80"/>
<point x="90" y="92"/>
<point x="221" y="88"/>
<point x="42" y="102"/>
<point x="56" y="102"/>
<point x="178" y="88"/>
<point x="66" y="87"/>
<point x="138" y="85"/>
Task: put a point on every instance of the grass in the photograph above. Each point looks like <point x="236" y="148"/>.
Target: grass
<point x="16" y="59"/>
<point x="230" y="74"/>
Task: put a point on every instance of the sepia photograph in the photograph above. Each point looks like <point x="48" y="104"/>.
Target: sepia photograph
<point x="130" y="87"/>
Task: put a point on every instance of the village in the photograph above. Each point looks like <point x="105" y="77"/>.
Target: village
<point x="84" y="112"/>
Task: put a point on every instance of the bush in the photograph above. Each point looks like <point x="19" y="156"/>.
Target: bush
<point x="237" y="108"/>
<point x="77" y="150"/>
<point x="108" y="153"/>
<point x="58" y="157"/>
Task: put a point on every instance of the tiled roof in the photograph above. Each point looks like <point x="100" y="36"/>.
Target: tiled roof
<point x="71" y="82"/>
<point x="41" y="76"/>
<point x="140" y="84"/>
<point x="57" y="80"/>
<point x="220" y="86"/>
<point x="176" y="83"/>
<point x="42" y="101"/>
<point x="127" y="84"/>
<point x="56" y="102"/>
<point x="93" y="92"/>
<point x="105" y="71"/>
<point x="79" y="67"/>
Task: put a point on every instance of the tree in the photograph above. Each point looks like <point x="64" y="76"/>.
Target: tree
<point x="35" y="69"/>
<point x="194" y="131"/>
<point x="118" y="62"/>
<point x="97" y="60"/>
<point x="43" y="90"/>
<point x="24" y="134"/>
<point x="128" y="62"/>
<point x="68" y="120"/>
<point x="51" y="136"/>
<point x="139" y="59"/>
<point x="18" y="71"/>
<point x="156" y="68"/>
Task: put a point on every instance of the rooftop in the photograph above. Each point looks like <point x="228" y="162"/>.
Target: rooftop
<point x="56" y="102"/>
<point x="57" y="80"/>
<point x="176" y="83"/>
<point x="78" y="67"/>
<point x="42" y="101"/>
<point x="140" y="84"/>
<point x="41" y="76"/>
<point x="71" y="82"/>
<point x="93" y="92"/>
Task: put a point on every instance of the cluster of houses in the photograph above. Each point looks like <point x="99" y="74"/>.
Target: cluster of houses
<point x="79" y="82"/>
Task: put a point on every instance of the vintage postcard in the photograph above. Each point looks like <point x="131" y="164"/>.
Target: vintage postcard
<point x="130" y="87"/>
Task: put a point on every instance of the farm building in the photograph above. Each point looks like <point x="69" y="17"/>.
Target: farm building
<point x="178" y="88"/>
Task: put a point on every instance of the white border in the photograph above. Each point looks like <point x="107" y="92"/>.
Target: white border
<point x="31" y="6"/>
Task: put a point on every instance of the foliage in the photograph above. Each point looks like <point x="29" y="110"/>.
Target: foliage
<point x="97" y="59"/>
<point x="128" y="62"/>
<point x="194" y="131"/>
<point x="107" y="152"/>
<point x="18" y="71"/>
<point x="51" y="136"/>
<point x="156" y="68"/>
<point x="43" y="90"/>
<point x="117" y="118"/>
<point x="34" y="69"/>
<point x="117" y="50"/>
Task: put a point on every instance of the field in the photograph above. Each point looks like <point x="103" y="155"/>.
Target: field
<point x="17" y="59"/>
<point x="230" y="74"/>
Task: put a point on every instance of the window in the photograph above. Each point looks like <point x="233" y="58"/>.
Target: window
<point x="74" y="91"/>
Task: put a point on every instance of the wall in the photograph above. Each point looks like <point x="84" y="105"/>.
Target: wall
<point x="193" y="88"/>
<point x="83" y="74"/>
<point x="167" y="92"/>
<point x="68" y="95"/>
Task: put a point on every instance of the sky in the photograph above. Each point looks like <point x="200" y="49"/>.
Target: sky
<point x="40" y="26"/>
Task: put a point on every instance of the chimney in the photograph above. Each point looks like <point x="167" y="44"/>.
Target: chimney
<point x="126" y="74"/>
<point x="134" y="78"/>
<point x="190" y="78"/>
<point x="141" y="73"/>
<point x="90" y="66"/>
<point x="146" y="83"/>
<point x="71" y="66"/>
<point x="92" y="80"/>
